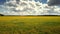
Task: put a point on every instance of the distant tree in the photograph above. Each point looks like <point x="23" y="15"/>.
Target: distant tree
<point x="1" y="15"/>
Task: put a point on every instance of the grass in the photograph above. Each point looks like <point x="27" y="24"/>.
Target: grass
<point x="29" y="25"/>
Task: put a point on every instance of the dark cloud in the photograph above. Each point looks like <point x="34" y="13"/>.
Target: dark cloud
<point x="54" y="2"/>
<point x="17" y="1"/>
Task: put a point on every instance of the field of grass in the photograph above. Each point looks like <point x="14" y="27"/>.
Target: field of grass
<point x="29" y="24"/>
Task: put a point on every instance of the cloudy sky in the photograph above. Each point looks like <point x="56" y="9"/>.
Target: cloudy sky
<point x="36" y="7"/>
<point x="2" y="1"/>
<point x="43" y="1"/>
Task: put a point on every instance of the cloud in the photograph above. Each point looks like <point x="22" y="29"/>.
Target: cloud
<point x="28" y="8"/>
<point x="53" y="2"/>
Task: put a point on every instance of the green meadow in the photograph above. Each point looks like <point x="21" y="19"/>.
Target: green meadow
<point x="29" y="24"/>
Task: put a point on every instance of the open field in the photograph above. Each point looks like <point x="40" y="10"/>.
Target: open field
<point x="29" y="24"/>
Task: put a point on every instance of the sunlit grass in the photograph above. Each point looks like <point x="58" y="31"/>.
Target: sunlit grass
<point x="29" y="25"/>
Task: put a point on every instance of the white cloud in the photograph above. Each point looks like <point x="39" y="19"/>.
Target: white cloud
<point x="28" y="8"/>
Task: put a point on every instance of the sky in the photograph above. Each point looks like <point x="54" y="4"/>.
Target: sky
<point x="54" y="2"/>
<point x="43" y="1"/>
<point x="2" y="1"/>
<point x="29" y="8"/>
